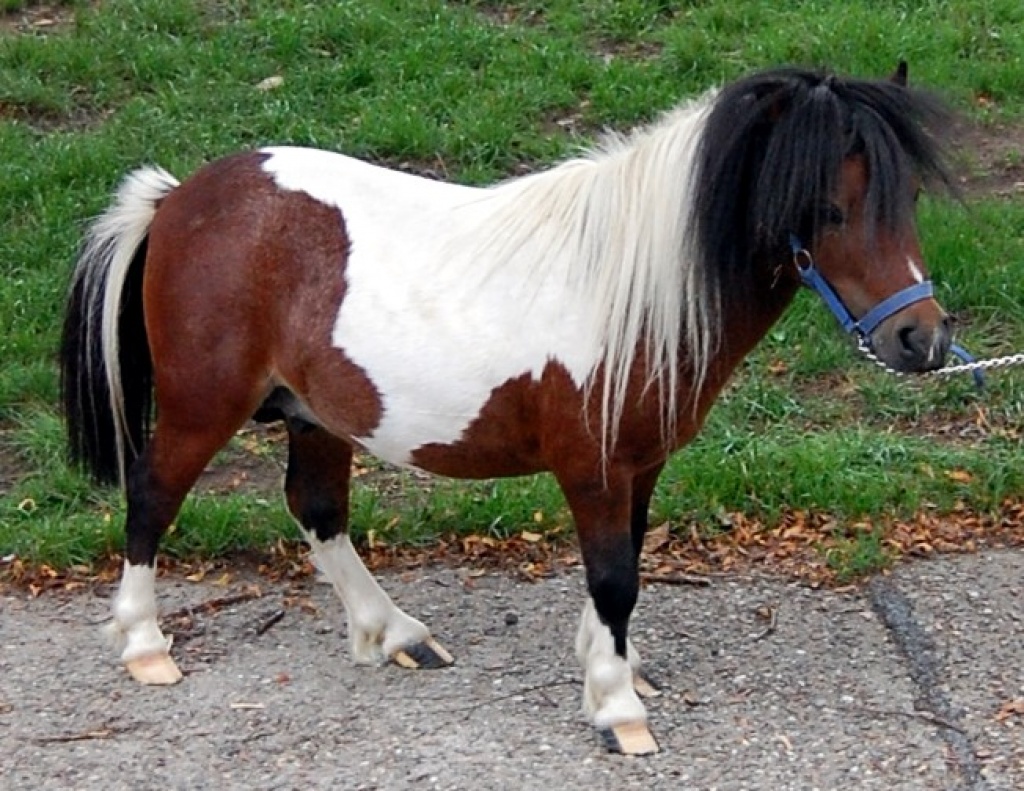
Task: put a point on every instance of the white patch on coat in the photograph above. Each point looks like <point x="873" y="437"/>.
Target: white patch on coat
<point x="435" y="336"/>
<point x="453" y="291"/>
<point x="915" y="270"/>
<point x="609" y="697"/>
<point x="376" y="627"/>
<point x="135" y="627"/>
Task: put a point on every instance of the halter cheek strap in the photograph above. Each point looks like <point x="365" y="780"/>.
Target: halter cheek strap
<point x="866" y="324"/>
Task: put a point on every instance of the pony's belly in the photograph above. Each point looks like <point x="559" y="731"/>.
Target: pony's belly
<point x="465" y="460"/>
<point x="497" y="437"/>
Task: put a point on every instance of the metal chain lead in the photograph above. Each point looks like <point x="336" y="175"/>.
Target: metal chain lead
<point x="977" y="365"/>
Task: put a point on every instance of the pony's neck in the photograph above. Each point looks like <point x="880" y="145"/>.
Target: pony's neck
<point x="617" y="222"/>
<point x="746" y="319"/>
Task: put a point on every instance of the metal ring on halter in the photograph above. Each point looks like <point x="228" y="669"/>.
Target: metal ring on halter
<point x="802" y="252"/>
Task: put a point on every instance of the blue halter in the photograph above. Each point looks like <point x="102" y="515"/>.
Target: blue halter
<point x="866" y="324"/>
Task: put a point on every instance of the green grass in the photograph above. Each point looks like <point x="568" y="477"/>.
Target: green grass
<point x="477" y="91"/>
<point x="858" y="555"/>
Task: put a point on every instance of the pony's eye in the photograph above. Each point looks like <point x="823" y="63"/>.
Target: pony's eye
<point x="832" y="214"/>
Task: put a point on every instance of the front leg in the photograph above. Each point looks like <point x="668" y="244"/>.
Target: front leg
<point x="603" y="521"/>
<point x="643" y="490"/>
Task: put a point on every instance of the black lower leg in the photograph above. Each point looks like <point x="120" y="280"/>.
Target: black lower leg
<point x="316" y="484"/>
<point x="151" y="509"/>
<point x="643" y="490"/>
<point x="614" y="583"/>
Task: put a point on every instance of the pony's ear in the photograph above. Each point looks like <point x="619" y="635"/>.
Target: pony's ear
<point x="900" y="75"/>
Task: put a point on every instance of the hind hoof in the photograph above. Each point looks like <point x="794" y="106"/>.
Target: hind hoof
<point x="154" y="670"/>
<point x="428" y="655"/>
<point x="644" y="686"/>
<point x="630" y="738"/>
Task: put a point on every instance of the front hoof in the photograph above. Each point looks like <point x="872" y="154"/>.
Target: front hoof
<point x="426" y="655"/>
<point x="630" y="738"/>
<point x="154" y="670"/>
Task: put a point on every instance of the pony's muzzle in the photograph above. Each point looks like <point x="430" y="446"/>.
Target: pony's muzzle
<point x="914" y="343"/>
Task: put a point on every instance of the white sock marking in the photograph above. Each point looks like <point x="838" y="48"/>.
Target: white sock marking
<point x="376" y="627"/>
<point x="135" y="627"/>
<point x="608" y="694"/>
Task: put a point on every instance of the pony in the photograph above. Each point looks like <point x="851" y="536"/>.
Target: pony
<point x="580" y="320"/>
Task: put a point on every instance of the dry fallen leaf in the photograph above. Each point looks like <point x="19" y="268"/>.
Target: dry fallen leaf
<point x="1010" y="708"/>
<point x="657" y="538"/>
<point x="270" y="83"/>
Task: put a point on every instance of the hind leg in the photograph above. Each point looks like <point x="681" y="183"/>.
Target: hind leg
<point x="156" y="486"/>
<point x="317" y="487"/>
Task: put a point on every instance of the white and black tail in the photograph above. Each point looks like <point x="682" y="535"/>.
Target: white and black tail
<point x="106" y="369"/>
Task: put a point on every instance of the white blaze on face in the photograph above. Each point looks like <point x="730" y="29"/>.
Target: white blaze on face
<point x="934" y="351"/>
<point x="915" y="270"/>
<point x="433" y="327"/>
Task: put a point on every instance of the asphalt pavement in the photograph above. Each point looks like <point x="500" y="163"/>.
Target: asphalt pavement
<point x="914" y="680"/>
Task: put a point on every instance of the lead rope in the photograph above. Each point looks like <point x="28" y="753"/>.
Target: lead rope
<point x="969" y="367"/>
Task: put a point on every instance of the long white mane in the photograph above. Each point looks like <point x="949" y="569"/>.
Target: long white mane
<point x="619" y="217"/>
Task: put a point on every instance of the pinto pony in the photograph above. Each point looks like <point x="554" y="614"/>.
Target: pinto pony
<point x="580" y="320"/>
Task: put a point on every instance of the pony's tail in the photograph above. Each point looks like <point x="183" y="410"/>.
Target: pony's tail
<point x="105" y="365"/>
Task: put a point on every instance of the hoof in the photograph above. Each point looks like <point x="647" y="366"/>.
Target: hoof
<point x="644" y="687"/>
<point x="154" y="669"/>
<point x="428" y="655"/>
<point x="630" y="738"/>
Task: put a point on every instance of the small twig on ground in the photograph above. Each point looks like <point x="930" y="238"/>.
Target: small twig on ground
<point x="675" y="579"/>
<point x="97" y="733"/>
<point x="268" y="622"/>
<point x="770" y="629"/>
<point x="927" y="716"/>
<point x="515" y="694"/>
<point x="214" y="604"/>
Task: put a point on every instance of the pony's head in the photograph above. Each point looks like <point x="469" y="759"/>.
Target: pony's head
<point x="838" y="164"/>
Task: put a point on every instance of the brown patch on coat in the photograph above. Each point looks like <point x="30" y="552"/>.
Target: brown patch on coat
<point x="530" y="425"/>
<point x="242" y="286"/>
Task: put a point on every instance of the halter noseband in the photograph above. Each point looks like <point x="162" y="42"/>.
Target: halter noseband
<point x="811" y="277"/>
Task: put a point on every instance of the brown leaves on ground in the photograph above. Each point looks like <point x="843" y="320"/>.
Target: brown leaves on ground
<point x="798" y="546"/>
<point x="1010" y="708"/>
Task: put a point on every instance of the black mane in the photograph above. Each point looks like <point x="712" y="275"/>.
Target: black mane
<point x="770" y="156"/>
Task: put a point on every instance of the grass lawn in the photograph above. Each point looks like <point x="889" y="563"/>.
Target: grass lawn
<point x="477" y="91"/>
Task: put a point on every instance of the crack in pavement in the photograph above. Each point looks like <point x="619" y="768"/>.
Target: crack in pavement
<point x="897" y="614"/>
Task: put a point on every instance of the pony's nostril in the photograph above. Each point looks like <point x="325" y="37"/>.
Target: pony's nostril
<point x="906" y="338"/>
